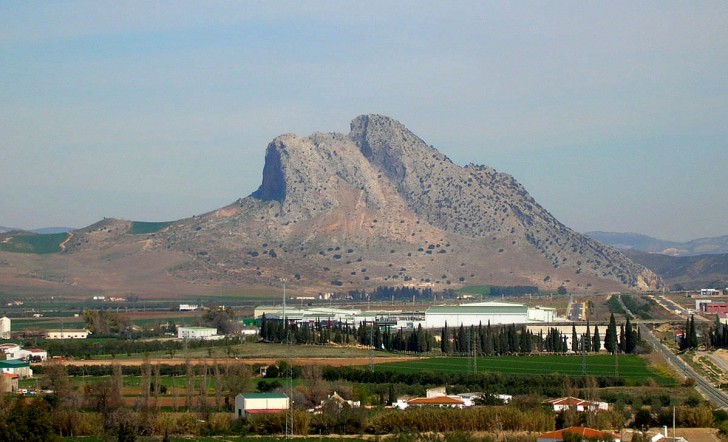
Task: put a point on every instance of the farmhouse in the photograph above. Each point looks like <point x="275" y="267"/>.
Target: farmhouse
<point x="572" y="403"/>
<point x="204" y="333"/>
<point x="260" y="403"/>
<point x="9" y="351"/>
<point x="67" y="334"/>
<point x="8" y="383"/>
<point x="33" y="355"/>
<point x="16" y="367"/>
<point x="578" y="433"/>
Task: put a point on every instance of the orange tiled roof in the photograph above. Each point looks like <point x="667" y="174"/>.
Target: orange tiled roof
<point x="438" y="400"/>
<point x="582" y="431"/>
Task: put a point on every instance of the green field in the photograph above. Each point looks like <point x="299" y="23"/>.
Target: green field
<point x="631" y="368"/>
<point x="141" y="227"/>
<point x="483" y="290"/>
<point x="34" y="243"/>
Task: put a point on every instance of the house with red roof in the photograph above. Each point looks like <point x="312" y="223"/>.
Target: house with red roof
<point x="8" y="383"/>
<point x="583" y="432"/>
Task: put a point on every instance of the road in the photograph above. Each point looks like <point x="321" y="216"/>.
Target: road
<point x="715" y="395"/>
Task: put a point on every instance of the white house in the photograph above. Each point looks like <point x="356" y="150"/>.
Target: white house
<point x="576" y="404"/>
<point x="67" y="334"/>
<point x="33" y="354"/>
<point x="204" y="333"/>
<point x="9" y="352"/>
<point x="260" y="403"/>
<point x="16" y="367"/>
<point x="188" y="307"/>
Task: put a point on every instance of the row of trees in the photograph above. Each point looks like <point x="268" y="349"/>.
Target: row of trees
<point x="473" y="340"/>
<point x="507" y="339"/>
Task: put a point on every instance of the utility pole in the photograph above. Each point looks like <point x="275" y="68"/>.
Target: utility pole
<point x="289" y="369"/>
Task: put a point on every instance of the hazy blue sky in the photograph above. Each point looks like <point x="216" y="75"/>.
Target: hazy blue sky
<point x="614" y="115"/>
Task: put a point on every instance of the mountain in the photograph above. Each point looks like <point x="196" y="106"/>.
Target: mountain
<point x="338" y="212"/>
<point x="635" y="241"/>
<point x="686" y="272"/>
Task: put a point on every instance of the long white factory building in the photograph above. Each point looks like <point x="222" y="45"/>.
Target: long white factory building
<point x="434" y="317"/>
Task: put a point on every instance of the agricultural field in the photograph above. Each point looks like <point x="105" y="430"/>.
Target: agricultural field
<point x="32" y="243"/>
<point x="633" y="369"/>
<point x="142" y="227"/>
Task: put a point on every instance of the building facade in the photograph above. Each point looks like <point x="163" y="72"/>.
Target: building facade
<point x="260" y="403"/>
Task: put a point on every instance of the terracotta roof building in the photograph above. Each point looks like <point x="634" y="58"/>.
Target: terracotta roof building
<point x="590" y="433"/>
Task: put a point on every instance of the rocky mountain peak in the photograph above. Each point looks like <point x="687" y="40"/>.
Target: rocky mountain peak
<point x="383" y="193"/>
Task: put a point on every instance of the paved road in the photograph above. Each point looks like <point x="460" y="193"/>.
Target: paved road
<point x="715" y="395"/>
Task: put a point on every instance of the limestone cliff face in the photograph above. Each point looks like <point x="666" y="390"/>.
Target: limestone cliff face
<point x="380" y="195"/>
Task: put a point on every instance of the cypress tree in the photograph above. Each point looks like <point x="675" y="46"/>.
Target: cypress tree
<point x="574" y="339"/>
<point x="629" y="337"/>
<point x="587" y="339"/>
<point x="445" y="340"/>
<point x="597" y="340"/>
<point x="610" y="339"/>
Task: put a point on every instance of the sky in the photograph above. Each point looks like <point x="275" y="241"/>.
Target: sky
<point x="613" y="115"/>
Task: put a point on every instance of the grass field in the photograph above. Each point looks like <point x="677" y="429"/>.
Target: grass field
<point x="34" y="243"/>
<point x="631" y="368"/>
<point x="141" y="227"/>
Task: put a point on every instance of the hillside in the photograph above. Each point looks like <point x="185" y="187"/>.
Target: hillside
<point x="376" y="206"/>
<point x="688" y="272"/>
<point x="644" y="243"/>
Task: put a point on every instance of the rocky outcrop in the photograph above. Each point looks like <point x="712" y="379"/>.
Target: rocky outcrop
<point x="379" y="206"/>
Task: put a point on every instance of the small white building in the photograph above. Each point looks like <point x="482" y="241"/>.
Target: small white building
<point x="4" y="327"/>
<point x="9" y="352"/>
<point x="572" y="403"/>
<point x="16" y="367"/>
<point x="710" y="292"/>
<point x="33" y="354"/>
<point x="260" y="403"/>
<point x="204" y="333"/>
<point x="188" y="307"/>
<point x="67" y="334"/>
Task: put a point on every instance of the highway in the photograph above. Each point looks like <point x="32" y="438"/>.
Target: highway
<point x="714" y="395"/>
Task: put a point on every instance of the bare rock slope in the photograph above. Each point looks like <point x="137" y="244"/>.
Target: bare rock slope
<point x="379" y="206"/>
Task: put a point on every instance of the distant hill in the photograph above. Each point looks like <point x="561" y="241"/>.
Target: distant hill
<point x="341" y="212"/>
<point x="643" y="243"/>
<point x="52" y="230"/>
<point x="686" y="272"/>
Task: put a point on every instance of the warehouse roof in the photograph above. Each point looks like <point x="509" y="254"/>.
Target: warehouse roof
<point x="480" y="307"/>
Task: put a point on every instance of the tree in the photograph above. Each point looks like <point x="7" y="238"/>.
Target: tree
<point x="629" y="337"/>
<point x="27" y="422"/>
<point x="587" y="339"/>
<point x="610" y="339"/>
<point x="445" y="340"/>
<point x="596" y="339"/>
<point x="574" y="339"/>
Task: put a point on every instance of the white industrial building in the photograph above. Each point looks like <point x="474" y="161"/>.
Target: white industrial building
<point x="67" y="334"/>
<point x="204" y="333"/>
<point x="260" y="403"/>
<point x="434" y="317"/>
<point x="486" y="312"/>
